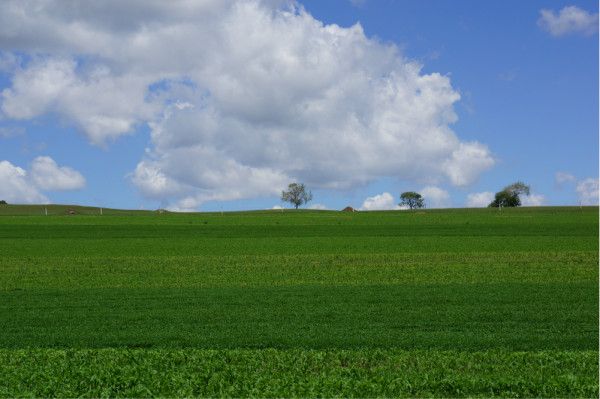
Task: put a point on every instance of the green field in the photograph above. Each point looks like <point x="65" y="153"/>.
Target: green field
<point x="466" y="302"/>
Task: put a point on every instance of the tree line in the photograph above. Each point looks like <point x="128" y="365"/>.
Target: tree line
<point x="510" y="196"/>
<point x="297" y="194"/>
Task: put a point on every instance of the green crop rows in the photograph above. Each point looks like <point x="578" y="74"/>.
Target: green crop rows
<point x="308" y="303"/>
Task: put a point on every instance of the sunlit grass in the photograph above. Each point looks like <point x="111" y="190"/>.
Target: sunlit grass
<point x="430" y="303"/>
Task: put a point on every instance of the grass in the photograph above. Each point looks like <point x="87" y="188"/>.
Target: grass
<point x="477" y="317"/>
<point x="296" y="373"/>
<point x="430" y="303"/>
<point x="62" y="210"/>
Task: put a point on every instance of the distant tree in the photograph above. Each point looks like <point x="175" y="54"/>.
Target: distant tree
<point x="412" y="200"/>
<point x="504" y="199"/>
<point x="296" y="194"/>
<point x="510" y="196"/>
<point x="2" y="202"/>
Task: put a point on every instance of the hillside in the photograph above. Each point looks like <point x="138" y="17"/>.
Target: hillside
<point x="300" y="303"/>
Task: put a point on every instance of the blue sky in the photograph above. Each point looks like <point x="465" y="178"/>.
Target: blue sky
<point x="208" y="120"/>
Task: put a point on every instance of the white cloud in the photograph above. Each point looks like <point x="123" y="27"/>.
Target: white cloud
<point x="570" y="19"/>
<point x="318" y="207"/>
<point x="533" y="200"/>
<point x="483" y="199"/>
<point x="241" y="97"/>
<point x="15" y="186"/>
<point x="480" y="200"/>
<point x="435" y="197"/>
<point x="20" y="186"/>
<point x="104" y="105"/>
<point x="587" y="190"/>
<point x="187" y="204"/>
<point x="380" y="202"/>
<point x="212" y="177"/>
<point x="47" y="175"/>
<point x="561" y="178"/>
<point x="467" y="162"/>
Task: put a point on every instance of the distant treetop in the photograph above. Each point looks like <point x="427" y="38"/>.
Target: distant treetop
<point x="510" y="195"/>
<point x="296" y="194"/>
<point x="412" y="199"/>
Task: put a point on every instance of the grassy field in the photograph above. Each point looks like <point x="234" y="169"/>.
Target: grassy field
<point x="475" y="302"/>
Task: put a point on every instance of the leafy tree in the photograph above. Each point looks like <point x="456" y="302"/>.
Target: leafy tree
<point x="296" y="194"/>
<point x="2" y="202"/>
<point x="505" y="199"/>
<point x="510" y="196"/>
<point x="412" y="200"/>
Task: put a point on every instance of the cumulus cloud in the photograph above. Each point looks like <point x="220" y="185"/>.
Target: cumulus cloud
<point x="103" y="105"/>
<point x="241" y="97"/>
<point x="47" y="175"/>
<point x="570" y="19"/>
<point x="533" y="200"/>
<point x="18" y="185"/>
<point x="587" y="190"/>
<point x="479" y="200"/>
<point x="380" y="202"/>
<point x="466" y="163"/>
<point x="318" y="207"/>
<point x="15" y="186"/>
<point x="187" y="204"/>
<point x="435" y="197"/>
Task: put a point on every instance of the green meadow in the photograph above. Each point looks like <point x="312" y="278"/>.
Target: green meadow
<point x="450" y="303"/>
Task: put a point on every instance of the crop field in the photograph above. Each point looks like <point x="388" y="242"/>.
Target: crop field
<point x="450" y="303"/>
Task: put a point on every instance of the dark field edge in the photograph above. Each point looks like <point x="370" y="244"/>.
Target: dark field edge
<point x="296" y="373"/>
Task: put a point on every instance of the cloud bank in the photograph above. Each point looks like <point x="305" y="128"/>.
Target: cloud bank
<point x="241" y="97"/>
